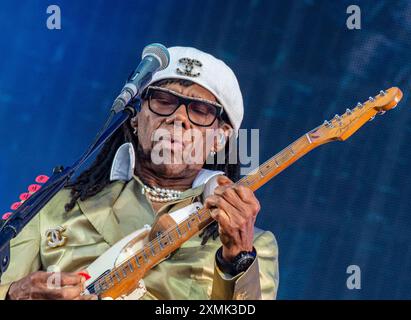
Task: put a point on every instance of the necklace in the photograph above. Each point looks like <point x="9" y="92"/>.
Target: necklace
<point x="156" y="194"/>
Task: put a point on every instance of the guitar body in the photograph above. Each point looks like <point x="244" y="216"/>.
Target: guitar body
<point x="118" y="253"/>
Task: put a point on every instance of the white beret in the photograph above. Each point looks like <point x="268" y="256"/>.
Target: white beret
<point x="209" y="72"/>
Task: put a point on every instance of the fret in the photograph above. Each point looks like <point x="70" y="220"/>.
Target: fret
<point x="117" y="275"/>
<point x="159" y="242"/>
<point x="302" y="142"/>
<point x="130" y="266"/>
<point x="124" y="271"/>
<point x="145" y="255"/>
<point x="178" y="231"/>
<point x="265" y="168"/>
<point x="103" y="285"/>
<point x="153" y="253"/>
<point x="308" y="138"/>
<point x="170" y="237"/>
<point x="136" y="258"/>
<point x="198" y="216"/>
<point x="283" y="156"/>
<point x="245" y="182"/>
<point x="252" y="178"/>
<point x="110" y="278"/>
<point x="97" y="287"/>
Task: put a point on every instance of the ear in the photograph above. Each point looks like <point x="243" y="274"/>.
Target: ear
<point x="225" y="132"/>
<point x="137" y="105"/>
<point x="134" y="122"/>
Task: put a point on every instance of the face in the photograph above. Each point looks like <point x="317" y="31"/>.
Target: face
<point x="174" y="145"/>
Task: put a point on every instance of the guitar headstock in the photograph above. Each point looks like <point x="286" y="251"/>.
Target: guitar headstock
<point x="342" y="127"/>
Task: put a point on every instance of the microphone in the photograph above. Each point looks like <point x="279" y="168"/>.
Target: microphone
<point x="155" y="57"/>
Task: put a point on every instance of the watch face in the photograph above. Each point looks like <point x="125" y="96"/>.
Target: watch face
<point x="244" y="263"/>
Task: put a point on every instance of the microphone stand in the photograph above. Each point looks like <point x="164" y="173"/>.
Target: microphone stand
<point x="29" y="208"/>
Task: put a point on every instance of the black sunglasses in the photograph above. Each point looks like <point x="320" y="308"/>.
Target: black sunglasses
<point x="165" y="102"/>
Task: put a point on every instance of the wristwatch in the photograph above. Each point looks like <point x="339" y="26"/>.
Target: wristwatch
<point x="240" y="263"/>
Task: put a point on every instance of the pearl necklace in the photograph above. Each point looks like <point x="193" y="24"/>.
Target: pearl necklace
<point x="156" y="194"/>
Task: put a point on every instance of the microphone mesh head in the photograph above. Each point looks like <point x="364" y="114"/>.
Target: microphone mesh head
<point x="158" y="51"/>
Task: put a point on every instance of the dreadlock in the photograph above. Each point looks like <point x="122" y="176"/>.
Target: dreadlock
<point x="95" y="178"/>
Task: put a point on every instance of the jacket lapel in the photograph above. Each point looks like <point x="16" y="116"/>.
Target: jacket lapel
<point x="98" y="210"/>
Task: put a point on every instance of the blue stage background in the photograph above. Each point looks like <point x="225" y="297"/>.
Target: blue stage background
<point x="297" y="63"/>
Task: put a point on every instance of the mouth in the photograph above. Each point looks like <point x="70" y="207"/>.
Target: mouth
<point x="173" y="143"/>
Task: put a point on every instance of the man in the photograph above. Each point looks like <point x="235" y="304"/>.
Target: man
<point x="127" y="187"/>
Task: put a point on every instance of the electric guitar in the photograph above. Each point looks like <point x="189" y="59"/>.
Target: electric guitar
<point x="118" y="273"/>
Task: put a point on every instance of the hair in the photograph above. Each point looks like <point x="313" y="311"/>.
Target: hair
<point x="96" y="177"/>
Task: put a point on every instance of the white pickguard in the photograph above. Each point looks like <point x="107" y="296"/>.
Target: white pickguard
<point x="122" y="250"/>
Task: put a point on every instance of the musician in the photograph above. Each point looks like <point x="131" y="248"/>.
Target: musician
<point x="124" y="189"/>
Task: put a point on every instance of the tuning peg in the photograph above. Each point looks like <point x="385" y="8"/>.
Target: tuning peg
<point x="328" y="124"/>
<point x="338" y="118"/>
<point x="380" y="113"/>
<point x="348" y="111"/>
<point x="383" y="93"/>
<point x="371" y="99"/>
<point x="372" y="118"/>
<point x="359" y="105"/>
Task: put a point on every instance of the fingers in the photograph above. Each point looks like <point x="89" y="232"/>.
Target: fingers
<point x="238" y="195"/>
<point x="71" y="279"/>
<point x="66" y="293"/>
<point x="66" y="286"/>
<point x="234" y="217"/>
<point x="248" y="196"/>
<point x="223" y="180"/>
<point x="38" y="277"/>
<point x="227" y="231"/>
<point x="48" y="285"/>
<point x="87" y="297"/>
<point x="229" y="194"/>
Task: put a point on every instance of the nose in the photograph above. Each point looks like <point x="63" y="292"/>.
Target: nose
<point x="180" y="115"/>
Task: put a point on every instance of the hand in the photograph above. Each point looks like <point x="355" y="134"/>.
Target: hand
<point x="235" y="208"/>
<point x="35" y="286"/>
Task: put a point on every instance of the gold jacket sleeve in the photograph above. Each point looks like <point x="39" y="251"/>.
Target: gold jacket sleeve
<point x="24" y="256"/>
<point x="259" y="281"/>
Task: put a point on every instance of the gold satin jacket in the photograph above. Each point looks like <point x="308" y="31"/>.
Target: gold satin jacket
<point x="95" y="224"/>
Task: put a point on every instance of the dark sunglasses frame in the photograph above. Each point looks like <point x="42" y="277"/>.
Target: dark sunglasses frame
<point x="182" y="100"/>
